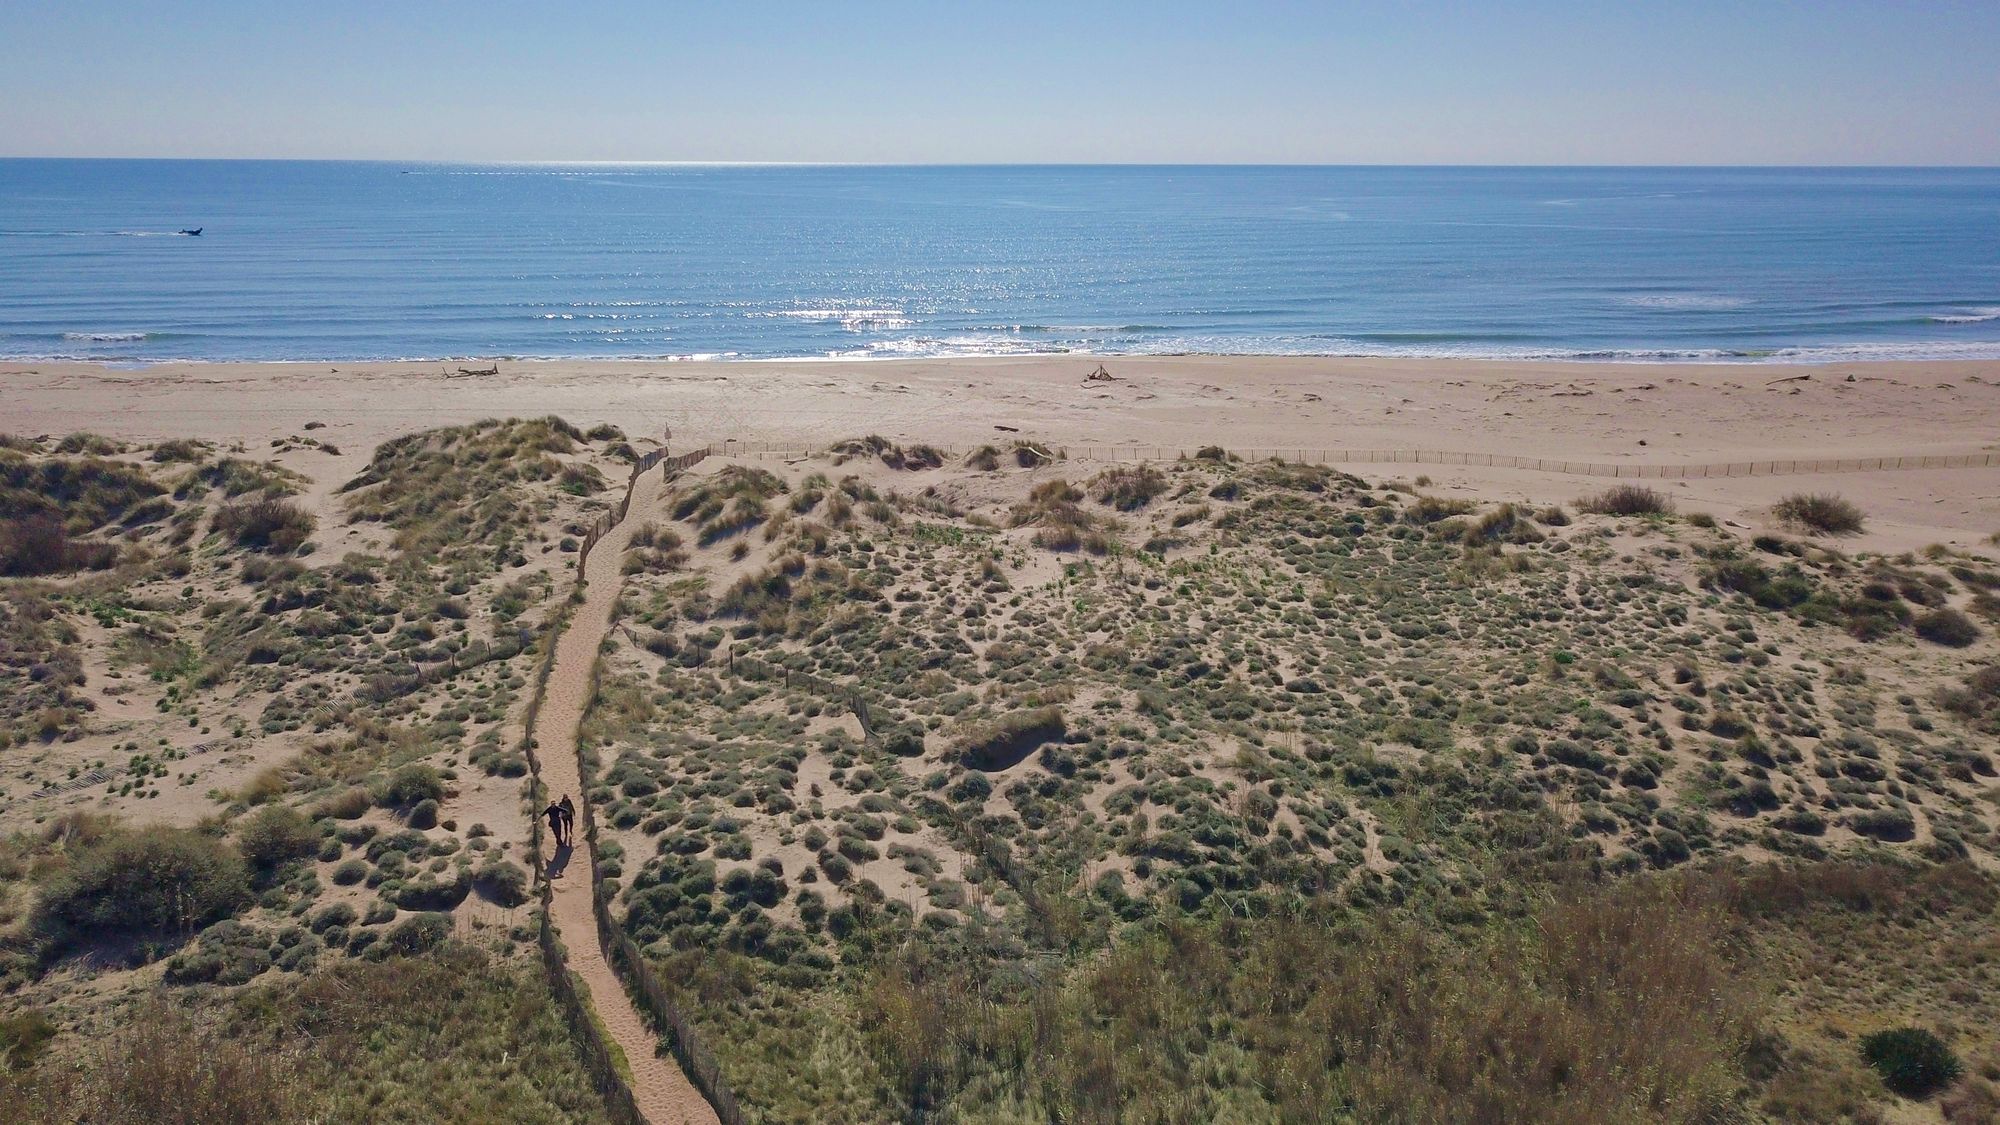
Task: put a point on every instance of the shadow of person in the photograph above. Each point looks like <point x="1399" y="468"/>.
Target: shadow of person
<point x="560" y="860"/>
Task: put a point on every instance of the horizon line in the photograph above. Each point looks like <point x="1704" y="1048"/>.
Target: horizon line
<point x="644" y="163"/>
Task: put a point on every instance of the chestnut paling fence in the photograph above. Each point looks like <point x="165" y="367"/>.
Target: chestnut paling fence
<point x="629" y="962"/>
<point x="624" y="954"/>
<point x="853" y="699"/>
<point x="588" y="1035"/>
<point x="1633" y="470"/>
<point x="611" y="519"/>
<point x="111" y="773"/>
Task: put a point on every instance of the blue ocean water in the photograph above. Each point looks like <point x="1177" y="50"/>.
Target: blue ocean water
<point x="346" y="261"/>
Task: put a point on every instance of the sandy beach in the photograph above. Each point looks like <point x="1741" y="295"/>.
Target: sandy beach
<point x="1624" y="414"/>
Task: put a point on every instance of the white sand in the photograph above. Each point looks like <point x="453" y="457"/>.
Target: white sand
<point x="1683" y="414"/>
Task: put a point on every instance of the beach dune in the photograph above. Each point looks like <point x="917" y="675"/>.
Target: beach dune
<point x="1644" y="417"/>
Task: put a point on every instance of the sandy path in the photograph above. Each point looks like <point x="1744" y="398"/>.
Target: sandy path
<point x="663" y="1091"/>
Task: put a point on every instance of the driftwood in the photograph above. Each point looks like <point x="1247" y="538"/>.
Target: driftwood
<point x="1100" y="376"/>
<point x="465" y="372"/>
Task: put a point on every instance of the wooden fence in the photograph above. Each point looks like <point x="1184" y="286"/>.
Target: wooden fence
<point x="643" y="465"/>
<point x="852" y="698"/>
<point x="1616" y="470"/>
<point x="109" y="773"/>
<point x="626" y="959"/>
<point x="383" y="688"/>
<point x="584" y="1029"/>
<point x="629" y="962"/>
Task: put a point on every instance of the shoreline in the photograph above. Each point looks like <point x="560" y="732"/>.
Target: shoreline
<point x="1979" y="352"/>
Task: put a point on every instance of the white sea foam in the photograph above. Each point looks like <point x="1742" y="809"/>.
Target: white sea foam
<point x="105" y="337"/>
<point x="1970" y="316"/>
<point x="1690" y="302"/>
<point x="983" y="344"/>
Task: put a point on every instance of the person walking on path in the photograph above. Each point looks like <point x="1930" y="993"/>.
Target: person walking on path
<point x="554" y="813"/>
<point x="568" y="817"/>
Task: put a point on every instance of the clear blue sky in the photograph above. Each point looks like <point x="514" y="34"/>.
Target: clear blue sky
<point x="1537" y="81"/>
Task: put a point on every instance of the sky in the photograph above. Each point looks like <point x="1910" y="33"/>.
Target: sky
<point x="1030" y="81"/>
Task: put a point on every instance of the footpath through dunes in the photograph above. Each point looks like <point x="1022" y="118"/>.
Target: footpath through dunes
<point x="663" y="1092"/>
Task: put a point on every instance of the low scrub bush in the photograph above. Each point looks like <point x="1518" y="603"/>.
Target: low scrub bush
<point x="501" y="882"/>
<point x="411" y="785"/>
<point x="1946" y="627"/>
<point x="1977" y="701"/>
<point x="1627" y="500"/>
<point x="581" y="480"/>
<point x="1822" y="514"/>
<point x="152" y="882"/>
<point x="1912" y="1061"/>
<point x="275" y="834"/>
<point x="40" y="544"/>
<point x="1431" y="509"/>
<point x="265" y="525"/>
<point x="1128" y="489"/>
<point x="1007" y="740"/>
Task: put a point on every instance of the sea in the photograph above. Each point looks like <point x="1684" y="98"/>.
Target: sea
<point x="371" y="261"/>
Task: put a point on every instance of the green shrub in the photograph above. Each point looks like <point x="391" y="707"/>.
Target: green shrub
<point x="1128" y="489"/>
<point x="903" y="740"/>
<point x="24" y="1036"/>
<point x="581" y="480"/>
<point x="1005" y="741"/>
<point x="348" y="804"/>
<point x="40" y="544"/>
<point x="228" y="953"/>
<point x="274" y="834"/>
<point x="339" y="914"/>
<point x="266" y="525"/>
<point x="1947" y="627"/>
<point x="502" y="883"/>
<point x="1627" y="500"/>
<point x="1913" y="1062"/>
<point x="424" y="814"/>
<point x="1823" y="514"/>
<point x="1884" y="824"/>
<point x="155" y="881"/>
<point x="419" y="932"/>
<point x="411" y="785"/>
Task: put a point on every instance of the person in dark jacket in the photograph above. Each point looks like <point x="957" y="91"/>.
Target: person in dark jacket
<point x="569" y="817"/>
<point x="554" y="815"/>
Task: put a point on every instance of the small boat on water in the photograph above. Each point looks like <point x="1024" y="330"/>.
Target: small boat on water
<point x="191" y="231"/>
